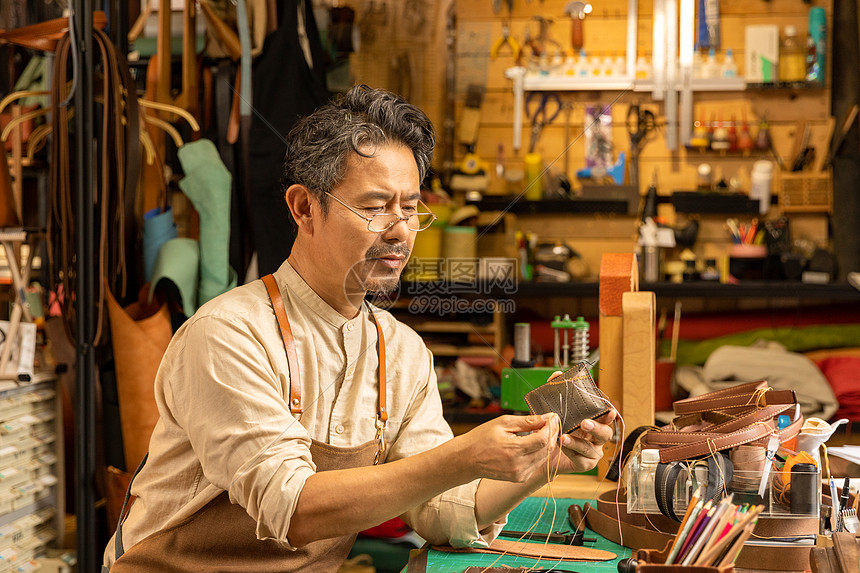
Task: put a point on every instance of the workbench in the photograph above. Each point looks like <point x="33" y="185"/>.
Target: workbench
<point x="550" y="516"/>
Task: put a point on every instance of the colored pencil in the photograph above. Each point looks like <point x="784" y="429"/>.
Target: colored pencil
<point x="738" y="545"/>
<point x="692" y="510"/>
<point x="708" y="530"/>
<point x="701" y="521"/>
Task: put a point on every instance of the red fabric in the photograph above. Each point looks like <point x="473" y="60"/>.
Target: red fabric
<point x="392" y="528"/>
<point x="843" y="374"/>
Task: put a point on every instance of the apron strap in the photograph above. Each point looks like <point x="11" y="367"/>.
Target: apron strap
<point x="293" y="362"/>
<point x="383" y="410"/>
<point x="118" y="548"/>
<point x="289" y="344"/>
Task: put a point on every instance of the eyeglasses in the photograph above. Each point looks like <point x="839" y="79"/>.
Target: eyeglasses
<point x="381" y="222"/>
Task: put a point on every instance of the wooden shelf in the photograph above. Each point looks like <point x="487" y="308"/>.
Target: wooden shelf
<point x="452" y="326"/>
<point x="467" y="351"/>
<point x="747" y="289"/>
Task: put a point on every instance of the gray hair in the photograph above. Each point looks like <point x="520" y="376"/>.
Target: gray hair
<point x="320" y="144"/>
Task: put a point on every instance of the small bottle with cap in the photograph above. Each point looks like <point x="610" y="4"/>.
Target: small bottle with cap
<point x="649" y="458"/>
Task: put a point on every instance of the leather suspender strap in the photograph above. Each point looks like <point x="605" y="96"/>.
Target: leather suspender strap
<point x="383" y="411"/>
<point x="293" y="364"/>
<point x="289" y="344"/>
<point x="118" y="547"/>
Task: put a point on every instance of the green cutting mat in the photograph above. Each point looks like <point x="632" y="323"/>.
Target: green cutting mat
<point x="521" y="519"/>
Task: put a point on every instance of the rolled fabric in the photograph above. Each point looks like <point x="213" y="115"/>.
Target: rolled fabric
<point x="178" y="261"/>
<point x="158" y="228"/>
<point x="207" y="183"/>
<point x="139" y="342"/>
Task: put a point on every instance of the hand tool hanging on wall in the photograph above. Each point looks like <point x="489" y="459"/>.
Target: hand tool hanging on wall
<point x="640" y="122"/>
<point x="577" y="12"/>
<point x="506" y="39"/>
<point x="542" y="114"/>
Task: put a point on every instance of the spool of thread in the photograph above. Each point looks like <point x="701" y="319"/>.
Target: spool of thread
<point x="459" y="247"/>
<point x="804" y="489"/>
<point x="748" y="462"/>
<point x="522" y="345"/>
<point x="534" y="176"/>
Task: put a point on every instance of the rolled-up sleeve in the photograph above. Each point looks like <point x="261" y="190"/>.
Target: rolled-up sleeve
<point x="239" y="424"/>
<point x="448" y="518"/>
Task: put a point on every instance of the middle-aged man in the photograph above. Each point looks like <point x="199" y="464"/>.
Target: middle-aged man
<point x="294" y="414"/>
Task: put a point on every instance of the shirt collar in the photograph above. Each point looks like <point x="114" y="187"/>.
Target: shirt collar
<point x="286" y="275"/>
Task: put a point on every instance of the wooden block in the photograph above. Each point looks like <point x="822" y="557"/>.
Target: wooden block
<point x="847" y="552"/>
<point x="619" y="273"/>
<point x="639" y="354"/>
<point x="610" y="341"/>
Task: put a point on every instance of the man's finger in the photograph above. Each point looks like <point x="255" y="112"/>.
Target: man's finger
<point x="596" y="431"/>
<point x="581" y="447"/>
<point x="528" y="423"/>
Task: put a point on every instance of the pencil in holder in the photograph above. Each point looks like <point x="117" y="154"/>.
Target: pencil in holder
<point x="654" y="561"/>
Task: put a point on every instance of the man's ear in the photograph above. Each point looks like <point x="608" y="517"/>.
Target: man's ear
<point x="300" y="200"/>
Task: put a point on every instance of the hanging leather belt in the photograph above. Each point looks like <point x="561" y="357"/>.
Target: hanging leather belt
<point x="115" y="195"/>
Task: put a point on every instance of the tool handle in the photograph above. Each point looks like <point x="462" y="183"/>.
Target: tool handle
<point x="576" y="39"/>
<point x="577" y="518"/>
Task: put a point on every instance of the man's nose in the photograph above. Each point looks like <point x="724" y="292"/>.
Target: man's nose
<point x="397" y="233"/>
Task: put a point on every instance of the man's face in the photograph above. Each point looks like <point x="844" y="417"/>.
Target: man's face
<point x="385" y="183"/>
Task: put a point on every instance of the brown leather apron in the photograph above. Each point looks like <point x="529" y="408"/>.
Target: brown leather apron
<point x="221" y="536"/>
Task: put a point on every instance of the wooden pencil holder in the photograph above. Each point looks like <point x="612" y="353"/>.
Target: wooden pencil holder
<point x="654" y="561"/>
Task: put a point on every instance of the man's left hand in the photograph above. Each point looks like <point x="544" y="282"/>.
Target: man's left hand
<point x="583" y="447"/>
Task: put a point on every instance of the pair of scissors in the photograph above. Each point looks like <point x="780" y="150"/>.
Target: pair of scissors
<point x="543" y="113"/>
<point x="640" y="122"/>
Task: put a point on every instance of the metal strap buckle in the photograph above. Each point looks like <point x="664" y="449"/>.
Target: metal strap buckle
<point x="380" y="438"/>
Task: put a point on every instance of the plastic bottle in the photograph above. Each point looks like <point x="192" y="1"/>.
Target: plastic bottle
<point x="569" y="66"/>
<point x="582" y="70"/>
<point x="730" y="68"/>
<point x="620" y="67"/>
<point x="697" y="66"/>
<point x="792" y="57"/>
<point x="608" y="66"/>
<point x="711" y="69"/>
<point x="594" y="65"/>
<point x="648" y="461"/>
<point x="760" y="180"/>
<point x="643" y="68"/>
<point x="818" y="36"/>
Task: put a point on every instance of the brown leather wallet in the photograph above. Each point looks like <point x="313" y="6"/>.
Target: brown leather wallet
<point x="573" y="396"/>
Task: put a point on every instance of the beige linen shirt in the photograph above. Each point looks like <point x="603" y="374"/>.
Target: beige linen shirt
<point x="225" y="424"/>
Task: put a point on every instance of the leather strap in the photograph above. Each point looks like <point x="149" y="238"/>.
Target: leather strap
<point x="724" y="419"/>
<point x="114" y="198"/>
<point x="535" y="550"/>
<point x="45" y="35"/>
<point x="293" y="360"/>
<point x="118" y="547"/>
<point x="289" y="344"/>
<point x="380" y="347"/>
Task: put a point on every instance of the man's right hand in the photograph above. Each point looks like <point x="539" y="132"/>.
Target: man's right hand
<point x="497" y="450"/>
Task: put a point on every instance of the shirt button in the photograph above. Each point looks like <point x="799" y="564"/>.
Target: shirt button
<point x="339" y="429"/>
<point x="350" y="372"/>
<point x="350" y="326"/>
